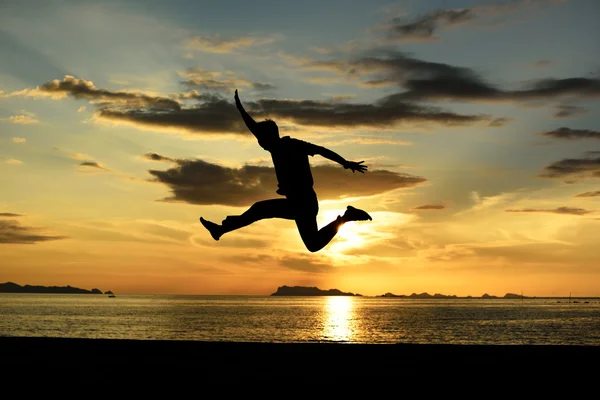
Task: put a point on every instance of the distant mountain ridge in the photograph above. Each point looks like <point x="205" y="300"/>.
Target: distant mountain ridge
<point x="11" y="287"/>
<point x="315" y="291"/>
<point x="426" y="295"/>
<point x="309" y="291"/>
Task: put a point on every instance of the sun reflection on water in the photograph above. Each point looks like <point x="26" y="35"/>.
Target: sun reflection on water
<point x="338" y="323"/>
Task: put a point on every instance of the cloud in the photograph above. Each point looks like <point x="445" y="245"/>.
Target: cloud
<point x="157" y="157"/>
<point x="93" y="164"/>
<point x="18" y="140"/>
<point x="7" y="214"/>
<point x="219" y="44"/>
<point x="559" y="210"/>
<point x="385" y="112"/>
<point x="566" y="111"/>
<point x="425" y="26"/>
<point x="425" y="80"/>
<point x="20" y="119"/>
<point x="11" y="232"/>
<point x="589" y="194"/>
<point x="430" y="207"/>
<point x="83" y="89"/>
<point x="14" y="161"/>
<point x="81" y="109"/>
<point x="207" y="80"/>
<point x="573" y="134"/>
<point x="200" y="182"/>
<point x="212" y="114"/>
<point x="215" y="115"/>
<point x="574" y="167"/>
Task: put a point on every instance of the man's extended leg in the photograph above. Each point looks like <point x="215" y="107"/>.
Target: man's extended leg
<point x="315" y="239"/>
<point x="274" y="208"/>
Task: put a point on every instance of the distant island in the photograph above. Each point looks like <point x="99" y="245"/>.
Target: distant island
<point x="443" y="296"/>
<point x="309" y="291"/>
<point x="10" y="287"/>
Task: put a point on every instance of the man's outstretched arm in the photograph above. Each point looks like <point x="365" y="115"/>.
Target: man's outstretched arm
<point x="250" y="122"/>
<point x="333" y="156"/>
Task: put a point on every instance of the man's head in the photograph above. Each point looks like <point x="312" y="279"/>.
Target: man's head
<point x="268" y="133"/>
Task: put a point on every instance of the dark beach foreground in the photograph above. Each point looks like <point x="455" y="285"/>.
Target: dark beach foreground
<point x="260" y="358"/>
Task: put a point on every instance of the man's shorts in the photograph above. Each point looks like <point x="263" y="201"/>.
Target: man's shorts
<point x="304" y="203"/>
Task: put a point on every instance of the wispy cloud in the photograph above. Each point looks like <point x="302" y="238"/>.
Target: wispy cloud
<point x="158" y="157"/>
<point x="426" y="26"/>
<point x="93" y="164"/>
<point x="225" y="81"/>
<point x="19" y="140"/>
<point x="566" y="111"/>
<point x="430" y="207"/>
<point x="559" y="210"/>
<point x="220" y="44"/>
<point x="573" y="134"/>
<point x="23" y="119"/>
<point x="589" y="194"/>
<point x="12" y="232"/>
<point x="13" y="161"/>
<point x="425" y="80"/>
<point x="84" y="89"/>
<point x="574" y="167"/>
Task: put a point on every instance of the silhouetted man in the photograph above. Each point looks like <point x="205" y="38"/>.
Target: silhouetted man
<point x="295" y="181"/>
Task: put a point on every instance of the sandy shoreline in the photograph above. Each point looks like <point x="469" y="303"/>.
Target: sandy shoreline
<point x="274" y="356"/>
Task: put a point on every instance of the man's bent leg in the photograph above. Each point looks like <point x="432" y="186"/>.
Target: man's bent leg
<point x="315" y="239"/>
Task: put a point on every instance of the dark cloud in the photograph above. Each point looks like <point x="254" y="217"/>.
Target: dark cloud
<point x="559" y="210"/>
<point x="82" y="89"/>
<point x="566" y="111"/>
<point x="386" y="112"/>
<point x="11" y="232"/>
<point x="92" y="164"/>
<point x="200" y="182"/>
<point x="425" y="26"/>
<point x="573" y="134"/>
<point x="424" y="80"/>
<point x="430" y="207"/>
<point x="589" y="194"/>
<point x="217" y="115"/>
<point x="157" y="157"/>
<point x="10" y="215"/>
<point x="574" y="167"/>
<point x="214" y="115"/>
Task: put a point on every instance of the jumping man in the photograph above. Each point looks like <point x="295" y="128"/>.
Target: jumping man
<point x="295" y="182"/>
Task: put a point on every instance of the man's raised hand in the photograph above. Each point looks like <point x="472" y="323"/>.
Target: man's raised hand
<point x="356" y="166"/>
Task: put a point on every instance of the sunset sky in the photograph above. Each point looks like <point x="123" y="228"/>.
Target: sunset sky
<point x="479" y="122"/>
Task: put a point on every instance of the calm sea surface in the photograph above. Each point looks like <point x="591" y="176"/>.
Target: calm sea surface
<point x="302" y="319"/>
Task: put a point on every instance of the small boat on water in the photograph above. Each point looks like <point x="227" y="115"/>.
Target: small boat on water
<point x="111" y="295"/>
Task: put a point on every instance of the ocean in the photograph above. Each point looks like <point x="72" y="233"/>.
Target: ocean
<point x="367" y="320"/>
